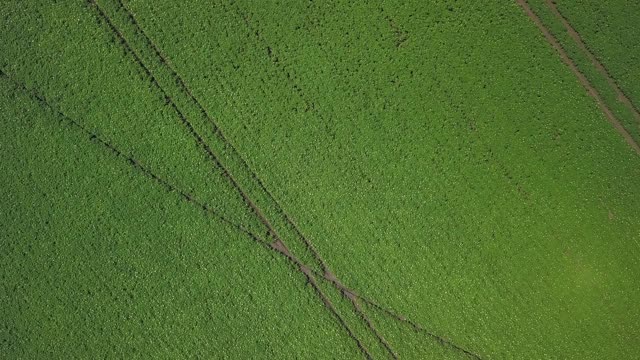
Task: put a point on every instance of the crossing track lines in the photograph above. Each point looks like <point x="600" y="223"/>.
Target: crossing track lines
<point x="328" y="275"/>
<point x="190" y="199"/>
<point x="186" y="196"/>
<point x="199" y="140"/>
<point x="218" y="132"/>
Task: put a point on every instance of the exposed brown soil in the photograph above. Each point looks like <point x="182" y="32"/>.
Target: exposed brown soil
<point x="581" y="78"/>
<point x="135" y="163"/>
<point x="278" y="244"/>
<point x="257" y="211"/>
<point x="353" y="296"/>
<point x="621" y="96"/>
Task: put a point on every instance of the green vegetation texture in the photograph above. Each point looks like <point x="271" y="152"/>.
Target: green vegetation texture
<point x="316" y="179"/>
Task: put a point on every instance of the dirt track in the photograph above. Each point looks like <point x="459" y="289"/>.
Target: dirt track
<point x="581" y="78"/>
<point x="622" y="97"/>
<point x="328" y="275"/>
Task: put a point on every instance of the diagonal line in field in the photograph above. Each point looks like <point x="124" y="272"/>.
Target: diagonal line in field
<point x="418" y="328"/>
<point x="581" y="78"/>
<point x="224" y="170"/>
<point x="276" y="246"/>
<point x="218" y="132"/>
<point x="394" y="315"/>
<point x="575" y="35"/>
<point x="135" y="163"/>
<point x="328" y="275"/>
<point x="183" y="119"/>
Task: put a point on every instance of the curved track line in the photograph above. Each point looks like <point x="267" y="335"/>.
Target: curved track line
<point x="594" y="60"/>
<point x="218" y="132"/>
<point x="581" y="78"/>
<point x="328" y="275"/>
<point x="219" y="164"/>
<point x="417" y="327"/>
<point x="276" y="246"/>
<point x="136" y="164"/>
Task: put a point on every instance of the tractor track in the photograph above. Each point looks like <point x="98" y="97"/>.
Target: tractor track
<point x="280" y="247"/>
<point x="200" y="141"/>
<point x="218" y="132"/>
<point x="188" y="197"/>
<point x="575" y="35"/>
<point x="328" y="275"/>
<point x="581" y="78"/>
<point x="417" y="327"/>
<point x="183" y="119"/>
<point x="308" y="244"/>
<point x="276" y="246"/>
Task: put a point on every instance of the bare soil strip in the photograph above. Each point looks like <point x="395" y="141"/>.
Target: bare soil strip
<point x="581" y="78"/>
<point x="218" y="131"/>
<point x="183" y="119"/>
<point x="276" y="246"/>
<point x="186" y="196"/>
<point x="622" y="97"/>
<point x="218" y="164"/>
<point x="417" y="327"/>
<point x="349" y="293"/>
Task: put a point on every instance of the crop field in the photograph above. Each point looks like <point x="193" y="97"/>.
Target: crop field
<point x="327" y="179"/>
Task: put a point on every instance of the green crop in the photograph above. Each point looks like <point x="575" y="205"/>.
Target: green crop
<point x="324" y="179"/>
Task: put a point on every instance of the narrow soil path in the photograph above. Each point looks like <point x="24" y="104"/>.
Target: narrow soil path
<point x="255" y="209"/>
<point x="276" y="246"/>
<point x="622" y="97"/>
<point x="218" y="132"/>
<point x="353" y="296"/>
<point x="225" y="172"/>
<point x="581" y="78"/>
<point x="135" y="163"/>
<point x="183" y="119"/>
<point x="281" y="248"/>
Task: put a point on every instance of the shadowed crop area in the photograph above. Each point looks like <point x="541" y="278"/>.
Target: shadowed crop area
<point x="319" y="179"/>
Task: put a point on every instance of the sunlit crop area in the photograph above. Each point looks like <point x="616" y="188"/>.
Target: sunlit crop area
<point x="319" y="179"/>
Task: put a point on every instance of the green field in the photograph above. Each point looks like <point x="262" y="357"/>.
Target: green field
<point x="319" y="179"/>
